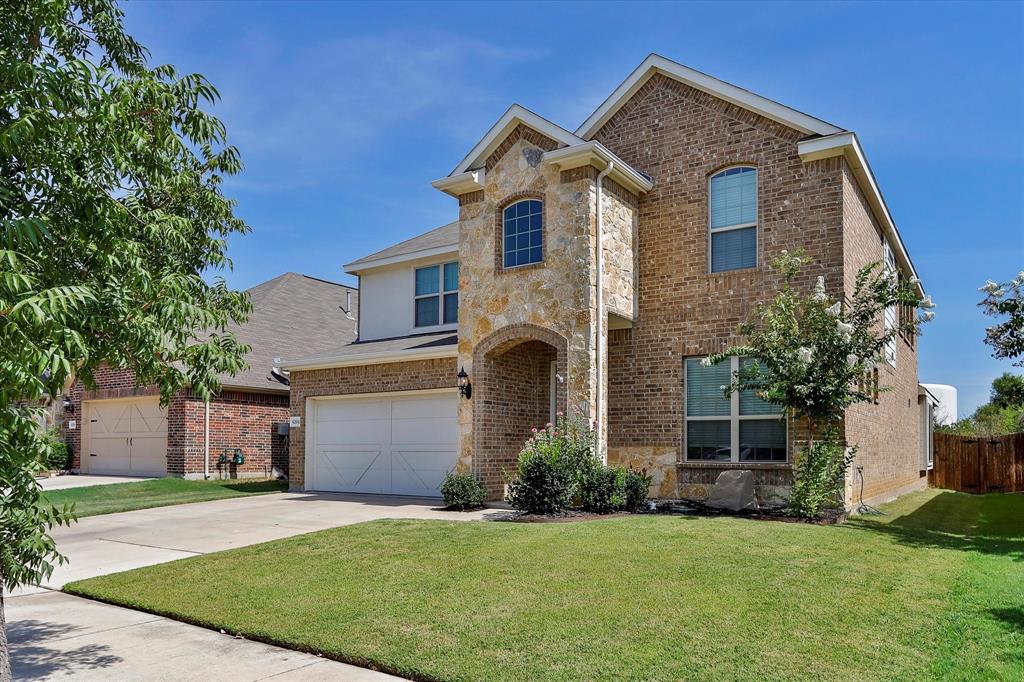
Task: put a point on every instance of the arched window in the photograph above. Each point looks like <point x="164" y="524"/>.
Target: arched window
<point x="732" y="218"/>
<point x="522" y="232"/>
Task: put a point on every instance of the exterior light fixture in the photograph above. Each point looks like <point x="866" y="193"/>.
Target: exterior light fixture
<point x="67" y="404"/>
<point x="465" y="388"/>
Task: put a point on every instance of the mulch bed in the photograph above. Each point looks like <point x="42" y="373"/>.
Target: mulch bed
<point x="675" y="507"/>
<point x="570" y="516"/>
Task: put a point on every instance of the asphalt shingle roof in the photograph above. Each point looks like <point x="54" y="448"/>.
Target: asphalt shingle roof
<point x="446" y="235"/>
<point x="292" y="315"/>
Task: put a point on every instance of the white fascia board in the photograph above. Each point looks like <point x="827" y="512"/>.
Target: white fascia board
<point x="847" y="145"/>
<point x="470" y="181"/>
<point x="362" y="266"/>
<point x="371" y="358"/>
<point x="595" y="153"/>
<point x="505" y="125"/>
<point x="655" y="64"/>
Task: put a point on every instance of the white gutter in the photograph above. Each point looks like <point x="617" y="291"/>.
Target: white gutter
<point x="206" y="443"/>
<point x="599" y="345"/>
<point x="372" y="358"/>
<point x="356" y="267"/>
<point x="586" y="153"/>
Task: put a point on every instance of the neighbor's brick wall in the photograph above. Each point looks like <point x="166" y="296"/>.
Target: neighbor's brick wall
<point x="238" y="419"/>
<point x="887" y="434"/>
<point x="398" y="376"/>
<point x="680" y="137"/>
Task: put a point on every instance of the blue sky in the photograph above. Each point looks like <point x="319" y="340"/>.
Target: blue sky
<point x="345" y="112"/>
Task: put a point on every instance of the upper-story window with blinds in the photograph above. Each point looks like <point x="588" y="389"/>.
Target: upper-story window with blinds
<point x="732" y="219"/>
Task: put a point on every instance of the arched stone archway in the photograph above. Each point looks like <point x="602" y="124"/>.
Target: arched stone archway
<point x="519" y="376"/>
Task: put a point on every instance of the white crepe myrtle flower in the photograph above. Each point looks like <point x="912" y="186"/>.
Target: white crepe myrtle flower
<point x="835" y="309"/>
<point x="927" y="302"/>
<point x="990" y="287"/>
<point x="999" y="293"/>
<point x="804" y="354"/>
<point x="705" y="362"/>
<point x="852" y="359"/>
<point x="915" y="280"/>
<point x="845" y="329"/>
<point x="927" y="316"/>
<point x="819" y="290"/>
<point x="1020" y="278"/>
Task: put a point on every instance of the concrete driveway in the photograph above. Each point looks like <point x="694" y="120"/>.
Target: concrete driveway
<point x="56" y="636"/>
<point x="84" y="480"/>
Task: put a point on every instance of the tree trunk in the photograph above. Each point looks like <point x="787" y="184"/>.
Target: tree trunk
<point x="5" y="652"/>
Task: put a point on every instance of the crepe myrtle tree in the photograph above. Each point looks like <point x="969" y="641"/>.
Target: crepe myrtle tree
<point x="1005" y="300"/>
<point x="111" y="213"/>
<point x="813" y="355"/>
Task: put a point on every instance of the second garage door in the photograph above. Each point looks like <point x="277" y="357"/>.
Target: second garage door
<point x="394" y="445"/>
<point x="125" y="437"/>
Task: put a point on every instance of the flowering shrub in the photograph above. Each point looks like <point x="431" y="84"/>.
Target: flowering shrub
<point x="813" y="353"/>
<point x="550" y="467"/>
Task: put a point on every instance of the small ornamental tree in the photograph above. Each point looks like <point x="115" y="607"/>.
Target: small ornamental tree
<point x="1005" y="300"/>
<point x="111" y="213"/>
<point x="813" y="354"/>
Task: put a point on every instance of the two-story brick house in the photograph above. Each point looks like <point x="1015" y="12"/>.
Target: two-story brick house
<point x="589" y="272"/>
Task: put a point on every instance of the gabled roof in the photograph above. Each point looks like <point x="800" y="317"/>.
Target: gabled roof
<point x="292" y="315"/>
<point x="505" y="125"/>
<point x="440" y="240"/>
<point x="403" y="348"/>
<point x="655" y="64"/>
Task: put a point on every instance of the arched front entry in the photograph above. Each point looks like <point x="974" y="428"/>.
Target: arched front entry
<point x="520" y="383"/>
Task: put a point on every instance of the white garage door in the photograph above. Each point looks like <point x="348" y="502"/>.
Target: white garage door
<point x="125" y="437"/>
<point x="397" y="445"/>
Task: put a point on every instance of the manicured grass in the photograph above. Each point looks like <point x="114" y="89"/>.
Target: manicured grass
<point x="933" y="590"/>
<point x="160" y="492"/>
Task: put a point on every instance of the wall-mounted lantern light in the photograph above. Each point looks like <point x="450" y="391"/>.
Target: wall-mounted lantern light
<point x="465" y="388"/>
<point x="67" y="404"/>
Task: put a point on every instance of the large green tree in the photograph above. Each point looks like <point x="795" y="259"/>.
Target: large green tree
<point x="111" y="213"/>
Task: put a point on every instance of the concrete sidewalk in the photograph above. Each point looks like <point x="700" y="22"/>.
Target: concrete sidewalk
<point x="56" y="636"/>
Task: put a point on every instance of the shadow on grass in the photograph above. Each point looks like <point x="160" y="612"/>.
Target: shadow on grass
<point x="255" y="486"/>
<point x="1012" y="618"/>
<point x="989" y="524"/>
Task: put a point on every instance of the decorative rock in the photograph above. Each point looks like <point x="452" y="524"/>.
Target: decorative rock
<point x="733" y="490"/>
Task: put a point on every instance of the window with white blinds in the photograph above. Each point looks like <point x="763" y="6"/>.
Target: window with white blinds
<point x="729" y="427"/>
<point x="732" y="219"/>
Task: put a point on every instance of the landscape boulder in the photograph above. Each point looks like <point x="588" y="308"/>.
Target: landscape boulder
<point x="734" y="491"/>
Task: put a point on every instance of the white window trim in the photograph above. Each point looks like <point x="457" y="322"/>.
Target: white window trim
<point x="739" y="226"/>
<point x="441" y="325"/>
<point x="734" y="418"/>
<point x="889" y="264"/>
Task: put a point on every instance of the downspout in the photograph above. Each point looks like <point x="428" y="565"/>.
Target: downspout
<point x="206" y="442"/>
<point x="599" y="346"/>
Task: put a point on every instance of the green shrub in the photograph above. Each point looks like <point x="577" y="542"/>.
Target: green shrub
<point x="550" y="467"/>
<point x="603" y="489"/>
<point x="56" y="456"/>
<point x="636" y="488"/>
<point x="819" y="476"/>
<point x="463" y="491"/>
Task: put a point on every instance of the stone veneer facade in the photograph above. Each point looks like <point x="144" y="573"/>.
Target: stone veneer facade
<point x="665" y="305"/>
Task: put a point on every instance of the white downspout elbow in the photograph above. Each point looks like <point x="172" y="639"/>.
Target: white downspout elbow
<point x="206" y="442"/>
<point x="599" y="341"/>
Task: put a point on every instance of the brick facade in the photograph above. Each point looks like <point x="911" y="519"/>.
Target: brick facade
<point x="399" y="376"/>
<point x="238" y="419"/>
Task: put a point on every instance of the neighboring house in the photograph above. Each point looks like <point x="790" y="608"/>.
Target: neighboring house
<point x="119" y="428"/>
<point x="588" y="272"/>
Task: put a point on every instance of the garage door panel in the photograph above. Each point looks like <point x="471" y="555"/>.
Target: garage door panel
<point x="351" y="432"/>
<point x="418" y="472"/>
<point x="414" y="437"/>
<point x="432" y="407"/>
<point x="365" y="471"/>
<point x="109" y="455"/>
<point x="435" y="431"/>
<point x="125" y="437"/>
<point x="350" y="410"/>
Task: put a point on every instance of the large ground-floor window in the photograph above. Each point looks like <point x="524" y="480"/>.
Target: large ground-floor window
<point x="738" y="427"/>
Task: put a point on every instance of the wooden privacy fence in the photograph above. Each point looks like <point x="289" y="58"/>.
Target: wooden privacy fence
<point x="975" y="464"/>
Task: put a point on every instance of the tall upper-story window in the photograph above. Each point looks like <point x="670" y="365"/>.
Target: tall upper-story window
<point x="732" y="219"/>
<point x="522" y="231"/>
<point x="437" y="295"/>
<point x="891" y="313"/>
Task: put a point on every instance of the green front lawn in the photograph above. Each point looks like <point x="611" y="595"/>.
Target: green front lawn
<point x="933" y="590"/>
<point x="160" y="492"/>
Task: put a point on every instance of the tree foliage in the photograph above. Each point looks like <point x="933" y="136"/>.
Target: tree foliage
<point x="814" y="354"/>
<point x="111" y="212"/>
<point x="1005" y="302"/>
<point x="1003" y="414"/>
